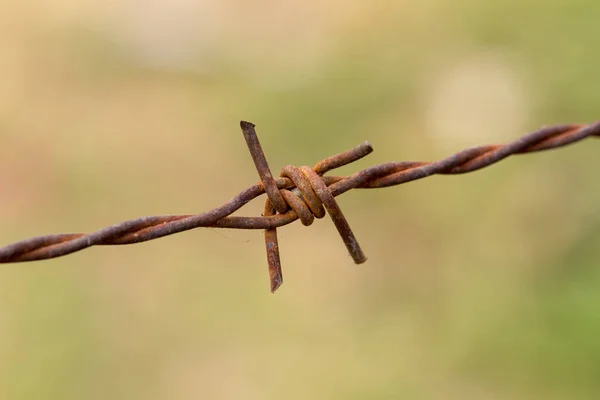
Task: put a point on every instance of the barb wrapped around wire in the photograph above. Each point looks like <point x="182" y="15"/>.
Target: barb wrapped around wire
<point x="299" y="193"/>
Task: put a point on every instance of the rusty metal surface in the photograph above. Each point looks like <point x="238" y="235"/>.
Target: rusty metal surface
<point x="299" y="193"/>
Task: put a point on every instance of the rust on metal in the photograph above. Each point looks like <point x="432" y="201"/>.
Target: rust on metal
<point x="272" y="245"/>
<point x="336" y="215"/>
<point x="300" y="193"/>
<point x="306" y="190"/>
<point x="262" y="166"/>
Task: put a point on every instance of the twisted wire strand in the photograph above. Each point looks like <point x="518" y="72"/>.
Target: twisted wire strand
<point x="379" y="176"/>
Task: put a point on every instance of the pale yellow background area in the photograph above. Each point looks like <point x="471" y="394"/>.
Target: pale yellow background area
<point x="480" y="286"/>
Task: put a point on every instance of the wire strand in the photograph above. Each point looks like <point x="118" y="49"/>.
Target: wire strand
<point x="302" y="187"/>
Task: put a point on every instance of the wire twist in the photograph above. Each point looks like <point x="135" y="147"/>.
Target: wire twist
<point x="299" y="193"/>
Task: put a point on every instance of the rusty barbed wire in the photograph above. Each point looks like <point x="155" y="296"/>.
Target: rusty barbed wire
<point x="299" y="193"/>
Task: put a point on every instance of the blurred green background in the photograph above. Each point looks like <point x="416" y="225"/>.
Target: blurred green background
<point x="485" y="285"/>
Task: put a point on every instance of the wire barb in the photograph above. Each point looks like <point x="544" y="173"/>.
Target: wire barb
<point x="299" y="193"/>
<point x="311" y="189"/>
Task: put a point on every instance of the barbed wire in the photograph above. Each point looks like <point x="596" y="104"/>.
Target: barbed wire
<point x="299" y="193"/>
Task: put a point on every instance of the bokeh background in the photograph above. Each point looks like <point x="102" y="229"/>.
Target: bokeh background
<point x="484" y="285"/>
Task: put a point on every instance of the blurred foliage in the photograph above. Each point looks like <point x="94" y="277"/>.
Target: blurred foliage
<point x="478" y="286"/>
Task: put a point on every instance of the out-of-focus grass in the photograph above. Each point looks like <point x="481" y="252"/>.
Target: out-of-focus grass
<point x="478" y="286"/>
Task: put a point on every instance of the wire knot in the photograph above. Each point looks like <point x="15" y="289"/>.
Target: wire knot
<point x="303" y="199"/>
<point x="307" y="195"/>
